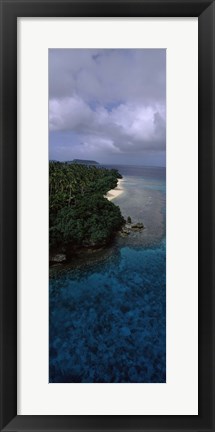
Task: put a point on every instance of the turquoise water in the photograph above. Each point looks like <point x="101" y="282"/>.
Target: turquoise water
<point x="108" y="316"/>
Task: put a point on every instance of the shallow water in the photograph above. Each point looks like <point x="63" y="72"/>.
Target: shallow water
<point x="108" y="317"/>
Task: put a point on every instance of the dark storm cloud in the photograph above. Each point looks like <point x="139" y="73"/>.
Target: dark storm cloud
<point x="112" y="100"/>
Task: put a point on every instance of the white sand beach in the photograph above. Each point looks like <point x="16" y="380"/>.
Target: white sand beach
<point x="113" y="193"/>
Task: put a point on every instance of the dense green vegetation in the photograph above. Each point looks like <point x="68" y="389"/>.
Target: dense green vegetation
<point x="79" y="215"/>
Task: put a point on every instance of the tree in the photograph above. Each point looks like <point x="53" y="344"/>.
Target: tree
<point x="79" y="215"/>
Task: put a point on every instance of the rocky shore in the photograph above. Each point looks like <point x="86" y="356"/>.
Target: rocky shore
<point x="128" y="228"/>
<point x="61" y="257"/>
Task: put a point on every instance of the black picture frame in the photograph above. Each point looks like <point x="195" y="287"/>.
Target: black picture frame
<point x="10" y="11"/>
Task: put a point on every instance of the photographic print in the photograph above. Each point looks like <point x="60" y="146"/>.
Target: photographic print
<point x="107" y="215"/>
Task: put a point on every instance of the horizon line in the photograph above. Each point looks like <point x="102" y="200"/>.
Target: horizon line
<point x="109" y="163"/>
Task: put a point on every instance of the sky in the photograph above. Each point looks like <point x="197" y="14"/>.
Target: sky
<point x="108" y="105"/>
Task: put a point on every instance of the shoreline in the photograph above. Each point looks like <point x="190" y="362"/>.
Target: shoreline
<point x="114" y="193"/>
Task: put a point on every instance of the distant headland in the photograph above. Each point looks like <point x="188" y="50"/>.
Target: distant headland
<point x="83" y="162"/>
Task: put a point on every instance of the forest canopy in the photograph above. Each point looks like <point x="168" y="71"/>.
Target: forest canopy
<point x="79" y="214"/>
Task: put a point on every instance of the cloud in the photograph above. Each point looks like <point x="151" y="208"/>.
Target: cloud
<point x="108" y="75"/>
<point x="69" y="114"/>
<point x="127" y="127"/>
<point x="113" y="101"/>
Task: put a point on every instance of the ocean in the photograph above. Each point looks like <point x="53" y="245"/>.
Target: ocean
<point x="107" y="315"/>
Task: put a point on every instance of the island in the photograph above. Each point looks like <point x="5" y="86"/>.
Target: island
<point x="80" y="216"/>
<point x="83" y="162"/>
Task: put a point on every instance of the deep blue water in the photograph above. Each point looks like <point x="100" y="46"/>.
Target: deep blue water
<point x="108" y="316"/>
